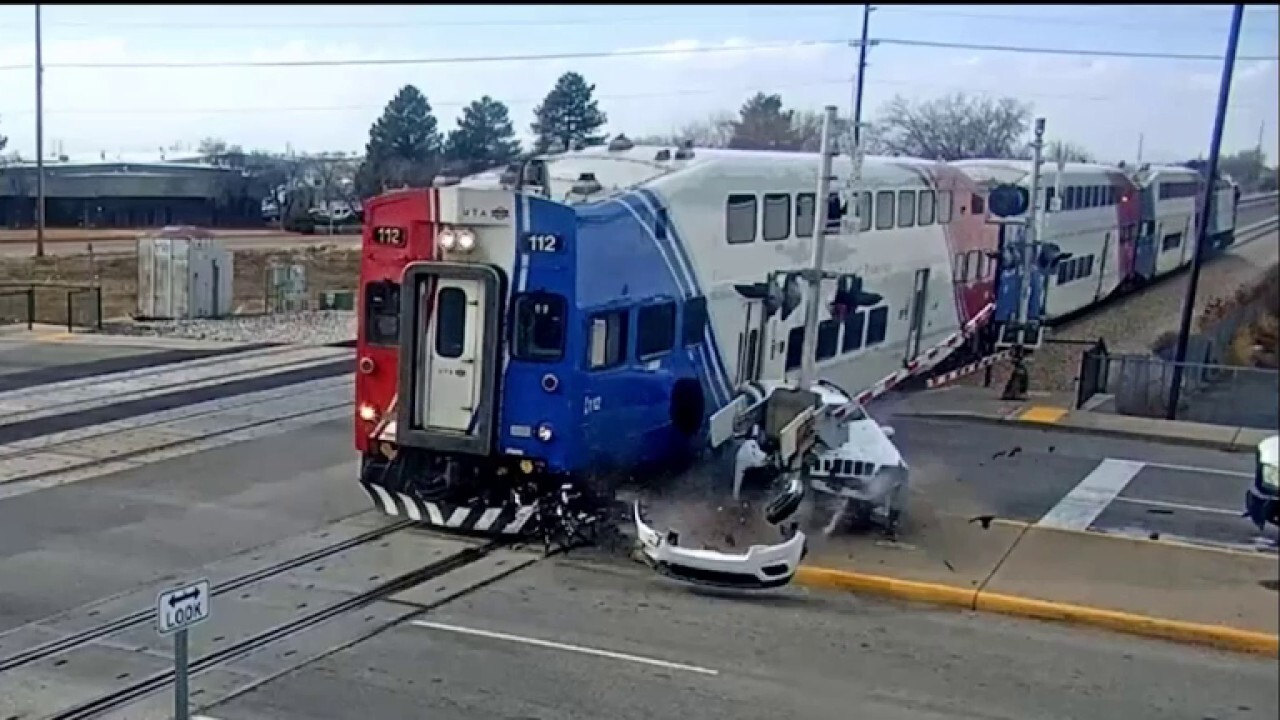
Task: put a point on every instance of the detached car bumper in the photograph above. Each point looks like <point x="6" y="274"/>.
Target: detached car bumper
<point x="761" y="567"/>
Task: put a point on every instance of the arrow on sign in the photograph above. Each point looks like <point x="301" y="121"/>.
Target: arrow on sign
<point x="175" y="600"/>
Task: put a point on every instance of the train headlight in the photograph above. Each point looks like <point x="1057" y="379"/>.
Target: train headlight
<point x="368" y="413"/>
<point x="544" y="432"/>
<point x="448" y="239"/>
<point x="466" y="240"/>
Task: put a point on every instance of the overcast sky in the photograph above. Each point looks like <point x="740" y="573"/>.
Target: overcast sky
<point x="1101" y="103"/>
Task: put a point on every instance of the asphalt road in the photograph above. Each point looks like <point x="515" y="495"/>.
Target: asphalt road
<point x="640" y="646"/>
<point x="66" y="546"/>
<point x="631" y="647"/>
<point x="1020" y="473"/>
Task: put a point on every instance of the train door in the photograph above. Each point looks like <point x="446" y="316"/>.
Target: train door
<point x="452" y="355"/>
<point x="1145" y="256"/>
<point x="1102" y="266"/>
<point x="750" y="341"/>
<point x="919" y="307"/>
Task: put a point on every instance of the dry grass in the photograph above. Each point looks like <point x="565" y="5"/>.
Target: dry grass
<point x="63" y="235"/>
<point x="327" y="268"/>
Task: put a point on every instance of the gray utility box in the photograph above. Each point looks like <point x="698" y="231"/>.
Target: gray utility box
<point x="183" y="272"/>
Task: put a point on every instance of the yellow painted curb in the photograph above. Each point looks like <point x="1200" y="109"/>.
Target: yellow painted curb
<point x="830" y="579"/>
<point x="1045" y="414"/>
<point x="1220" y="636"/>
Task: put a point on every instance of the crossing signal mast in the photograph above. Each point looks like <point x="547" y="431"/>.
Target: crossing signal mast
<point x="1025" y="264"/>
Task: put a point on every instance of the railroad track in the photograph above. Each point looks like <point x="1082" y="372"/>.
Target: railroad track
<point x="111" y="627"/>
<point x="44" y="455"/>
<point x="128" y="694"/>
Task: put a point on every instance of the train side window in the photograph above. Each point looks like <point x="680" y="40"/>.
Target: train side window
<point x="1062" y="272"/>
<point x="608" y="339"/>
<point x="1048" y="199"/>
<point x="1171" y="241"/>
<point x="1088" y="266"/>
<point x="864" y="212"/>
<point x="804" y="215"/>
<point x="961" y="270"/>
<point x="539" y="327"/>
<point x="927" y="207"/>
<point x="655" y="329"/>
<point x="906" y="208"/>
<point x="695" y="319"/>
<point x="777" y="217"/>
<point x="740" y="219"/>
<point x="795" y="347"/>
<point x="944" y="206"/>
<point x="877" y="325"/>
<point x="884" y="210"/>
<point x="853" y="327"/>
<point x="836" y="208"/>
<point x="451" y="322"/>
<point x="977" y="206"/>
<point x="382" y="313"/>
<point x="828" y="340"/>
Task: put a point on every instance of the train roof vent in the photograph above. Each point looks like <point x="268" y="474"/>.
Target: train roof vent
<point x="587" y="184"/>
<point x="444" y="181"/>
<point x="620" y="144"/>
<point x="686" y="150"/>
<point x="663" y="155"/>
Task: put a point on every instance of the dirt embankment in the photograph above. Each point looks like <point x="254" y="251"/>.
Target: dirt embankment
<point x="327" y="268"/>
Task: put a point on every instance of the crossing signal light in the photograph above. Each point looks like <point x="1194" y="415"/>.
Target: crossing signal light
<point x="1008" y="200"/>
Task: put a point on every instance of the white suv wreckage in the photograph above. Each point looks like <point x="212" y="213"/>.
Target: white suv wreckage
<point x="819" y="439"/>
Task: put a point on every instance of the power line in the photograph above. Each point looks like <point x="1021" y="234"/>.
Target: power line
<point x="650" y="52"/>
<point x="357" y="25"/>
<point x="457" y="60"/>
<point x="719" y="90"/>
<point x="442" y="104"/>
<point x="1062" y="51"/>
<point x="1067" y="20"/>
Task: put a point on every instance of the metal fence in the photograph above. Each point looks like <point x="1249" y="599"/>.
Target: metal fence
<point x="51" y="303"/>
<point x="1211" y="392"/>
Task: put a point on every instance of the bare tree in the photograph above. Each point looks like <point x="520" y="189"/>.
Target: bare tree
<point x="1066" y="152"/>
<point x="955" y="127"/>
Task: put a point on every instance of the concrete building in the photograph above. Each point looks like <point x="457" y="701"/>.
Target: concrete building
<point x="130" y="192"/>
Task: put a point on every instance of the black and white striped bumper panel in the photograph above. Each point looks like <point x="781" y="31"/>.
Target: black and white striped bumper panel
<point x="508" y="519"/>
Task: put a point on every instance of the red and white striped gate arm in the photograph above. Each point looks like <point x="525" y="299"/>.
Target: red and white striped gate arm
<point x="918" y="364"/>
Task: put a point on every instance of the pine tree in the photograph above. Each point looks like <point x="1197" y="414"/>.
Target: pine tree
<point x="404" y="145"/>
<point x="484" y="138"/>
<point x="568" y="116"/>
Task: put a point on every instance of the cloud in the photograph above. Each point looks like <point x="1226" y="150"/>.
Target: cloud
<point x="1100" y="103"/>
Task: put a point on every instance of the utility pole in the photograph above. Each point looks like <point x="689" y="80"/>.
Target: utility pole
<point x="1202" y="224"/>
<point x="862" y="71"/>
<point x="808" y="364"/>
<point x="39" y="141"/>
<point x="1140" y="137"/>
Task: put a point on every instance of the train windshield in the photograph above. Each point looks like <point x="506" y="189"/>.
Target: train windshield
<point x="382" y="313"/>
<point x="539" y="327"/>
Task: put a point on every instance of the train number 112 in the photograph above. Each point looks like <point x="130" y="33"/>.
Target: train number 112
<point x="543" y="243"/>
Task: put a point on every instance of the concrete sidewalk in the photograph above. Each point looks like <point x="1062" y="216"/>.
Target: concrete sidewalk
<point x="1207" y="596"/>
<point x="1054" y="409"/>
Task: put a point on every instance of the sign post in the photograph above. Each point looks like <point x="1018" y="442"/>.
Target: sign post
<point x="178" y="610"/>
